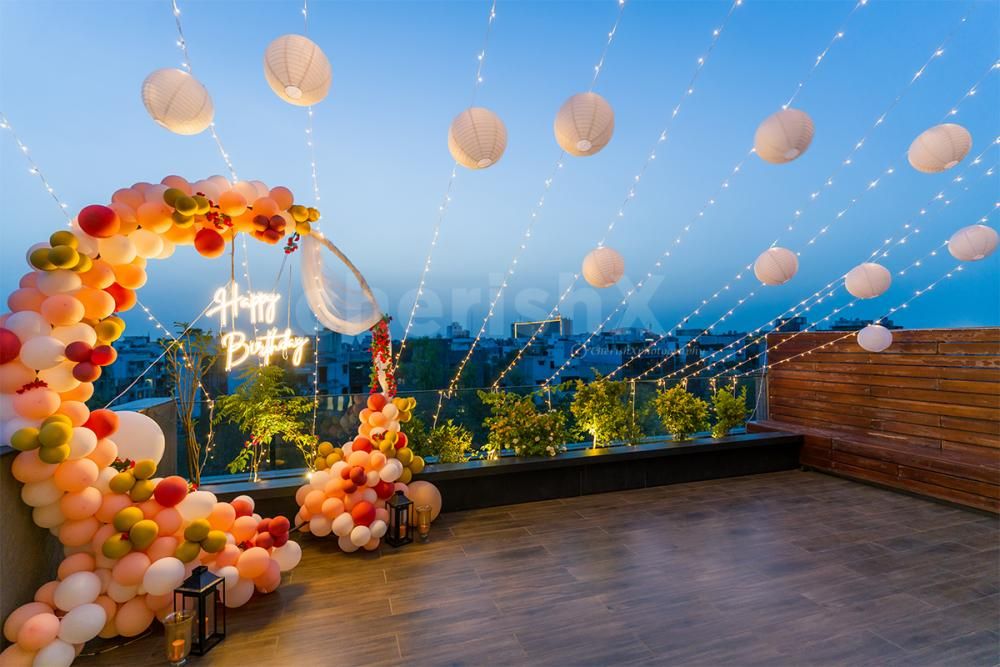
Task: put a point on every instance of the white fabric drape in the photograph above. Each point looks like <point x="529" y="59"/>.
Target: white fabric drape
<point x="338" y="294"/>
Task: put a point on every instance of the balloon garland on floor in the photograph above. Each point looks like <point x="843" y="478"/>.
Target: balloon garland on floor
<point x="129" y="537"/>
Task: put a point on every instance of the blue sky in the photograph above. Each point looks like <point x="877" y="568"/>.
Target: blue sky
<point x="72" y="72"/>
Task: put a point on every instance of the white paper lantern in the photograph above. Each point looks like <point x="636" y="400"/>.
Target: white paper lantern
<point x="477" y="138"/>
<point x="603" y="267"/>
<point x="177" y="101"/>
<point x="875" y="338"/>
<point x="297" y="70"/>
<point x="939" y="148"/>
<point x="783" y="136"/>
<point x="776" y="266"/>
<point x="584" y="124"/>
<point x="973" y="243"/>
<point x="868" y="280"/>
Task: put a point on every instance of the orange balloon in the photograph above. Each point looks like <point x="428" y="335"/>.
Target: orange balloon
<point x="133" y="617"/>
<point x="38" y="403"/>
<point x="131" y="276"/>
<point x="209" y="243"/>
<point x="38" y="632"/>
<point x="222" y="516"/>
<point x="62" y="310"/>
<point x="27" y="467"/>
<point x="150" y="508"/>
<point x="123" y="296"/>
<point x="265" y="206"/>
<point x="104" y="454"/>
<point x="77" y="412"/>
<point x="79" y="562"/>
<point x="314" y="501"/>
<point x="82" y="393"/>
<point x="332" y="507"/>
<point x="282" y="196"/>
<point x="128" y="196"/>
<point x="14" y="375"/>
<point x="158" y="602"/>
<point x="126" y="216"/>
<point x="29" y="279"/>
<point x="253" y="562"/>
<point x="228" y="556"/>
<point x="169" y="520"/>
<point x="162" y="547"/>
<point x="177" y="182"/>
<point x="271" y="577"/>
<point x="111" y="505"/>
<point x="26" y="298"/>
<point x="99" y="276"/>
<point x="180" y="235"/>
<point x="155" y="216"/>
<point x="130" y="568"/>
<point x="75" y="475"/>
<point x="78" y="533"/>
<point x="46" y="593"/>
<point x="244" y="528"/>
<point x="80" y="504"/>
<point x="97" y="304"/>
<point x="232" y="203"/>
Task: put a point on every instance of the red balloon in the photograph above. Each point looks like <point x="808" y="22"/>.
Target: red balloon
<point x="10" y="346"/>
<point x="384" y="489"/>
<point x="209" y="243"/>
<point x="279" y="526"/>
<point x="345" y="472"/>
<point x="123" y="296"/>
<point x="376" y="402"/>
<point x="170" y="491"/>
<point x="279" y="540"/>
<point x="99" y="221"/>
<point x="358" y="475"/>
<point x="102" y="355"/>
<point x="363" y="513"/>
<point x="242" y="507"/>
<point x="86" y="371"/>
<point x="350" y="487"/>
<point x="264" y="526"/>
<point x="400" y="440"/>
<point x="103" y="423"/>
<point x="264" y="541"/>
<point x="361" y="444"/>
<point x="79" y="351"/>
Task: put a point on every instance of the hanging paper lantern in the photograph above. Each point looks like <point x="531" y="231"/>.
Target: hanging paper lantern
<point x="783" y="136"/>
<point x="875" y="338"/>
<point x="477" y="138"/>
<point x="939" y="148"/>
<point x="868" y="280"/>
<point x="297" y="70"/>
<point x="177" y="101"/>
<point x="603" y="267"/>
<point x="776" y="266"/>
<point x="584" y="124"/>
<point x="972" y="243"/>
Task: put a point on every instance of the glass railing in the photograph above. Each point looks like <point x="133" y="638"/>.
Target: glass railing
<point x="337" y="421"/>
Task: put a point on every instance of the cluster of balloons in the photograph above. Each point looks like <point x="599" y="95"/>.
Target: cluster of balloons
<point x="346" y="495"/>
<point x="129" y="537"/>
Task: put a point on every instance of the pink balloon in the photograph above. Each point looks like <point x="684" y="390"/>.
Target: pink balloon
<point x="244" y="528"/>
<point x="38" y="631"/>
<point x="18" y="617"/>
<point x="80" y="562"/>
<point x="169" y="520"/>
<point x="270" y="579"/>
<point x="253" y="563"/>
<point x="229" y="555"/>
<point x="130" y="568"/>
<point x="162" y="546"/>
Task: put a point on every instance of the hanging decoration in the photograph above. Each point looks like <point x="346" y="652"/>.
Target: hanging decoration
<point x="584" y="124"/>
<point x="973" y="243"/>
<point x="337" y="293"/>
<point x="177" y="101"/>
<point x="477" y="138"/>
<point x="776" y="266"/>
<point x="603" y="267"/>
<point x="383" y="376"/>
<point x="297" y="70"/>
<point x="783" y="136"/>
<point x="940" y="148"/>
<point x="868" y="280"/>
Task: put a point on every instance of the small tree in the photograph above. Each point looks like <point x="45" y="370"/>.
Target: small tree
<point x="263" y="407"/>
<point x="515" y="423"/>
<point x="681" y="412"/>
<point x="601" y="409"/>
<point x="449" y="442"/>
<point x="730" y="411"/>
<point x="188" y="360"/>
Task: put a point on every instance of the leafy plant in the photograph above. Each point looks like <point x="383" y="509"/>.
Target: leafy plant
<point x="264" y="407"/>
<point x="449" y="442"/>
<point x="417" y="436"/>
<point x="730" y="411"/>
<point x="682" y="413"/>
<point x="601" y="408"/>
<point x="515" y="423"/>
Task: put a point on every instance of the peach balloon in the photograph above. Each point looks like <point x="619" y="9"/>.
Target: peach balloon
<point x="27" y="467"/>
<point x="154" y="216"/>
<point x="300" y="494"/>
<point x="271" y="577"/>
<point x="104" y="454"/>
<point x="15" y="656"/>
<point x="130" y="276"/>
<point x="59" y="378"/>
<point x="377" y="460"/>
<point x="180" y="235"/>
<point x="79" y="562"/>
<point x="265" y="206"/>
<point x="332" y="507"/>
<point x="282" y="196"/>
<point x="97" y="304"/>
<point x="150" y="508"/>
<point x="162" y="546"/>
<point x="101" y="275"/>
<point x="14" y="375"/>
<point x="229" y="555"/>
<point x="46" y="593"/>
<point x="133" y="617"/>
<point x="127" y="221"/>
<point x="314" y="501"/>
<point x="232" y="203"/>
<point x="128" y="196"/>
<point x="75" y="475"/>
<point x="26" y="298"/>
<point x="81" y="504"/>
<point x="253" y="562"/>
<point x="178" y="183"/>
<point x="130" y="568"/>
<point x="111" y="505"/>
<point x="376" y="419"/>
<point x="37" y="403"/>
<point x="78" y="533"/>
<point x="244" y="528"/>
<point x="77" y="411"/>
<point x="29" y="279"/>
<point x="62" y="310"/>
<point x="20" y="615"/>
<point x="169" y="520"/>
<point x="82" y="392"/>
<point x="222" y="516"/>
<point x="38" y="631"/>
<point x="158" y="602"/>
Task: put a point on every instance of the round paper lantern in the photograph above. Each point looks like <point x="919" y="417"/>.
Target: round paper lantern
<point x="297" y="70"/>
<point x="868" y="280"/>
<point x="177" y="101"/>
<point x="776" y="266"/>
<point x="584" y="124"/>
<point x="874" y="338"/>
<point x="603" y="267"/>
<point x="939" y="148"/>
<point x="783" y="136"/>
<point x="477" y="138"/>
<point x="972" y="243"/>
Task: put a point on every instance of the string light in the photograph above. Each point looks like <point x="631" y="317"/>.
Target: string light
<point x="701" y="213"/>
<point x="34" y="169"/>
<point x="443" y="207"/>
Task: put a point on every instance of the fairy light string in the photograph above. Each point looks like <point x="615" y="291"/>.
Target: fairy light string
<point x="34" y="169"/>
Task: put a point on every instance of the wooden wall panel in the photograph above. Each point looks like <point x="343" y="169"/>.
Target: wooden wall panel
<point x="922" y="416"/>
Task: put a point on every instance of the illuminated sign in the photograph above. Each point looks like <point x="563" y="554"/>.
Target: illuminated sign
<point x="261" y="308"/>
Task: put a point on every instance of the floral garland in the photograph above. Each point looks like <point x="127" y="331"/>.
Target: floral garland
<point x="381" y="350"/>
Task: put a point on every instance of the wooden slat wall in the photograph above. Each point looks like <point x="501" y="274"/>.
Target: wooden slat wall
<point x="923" y="416"/>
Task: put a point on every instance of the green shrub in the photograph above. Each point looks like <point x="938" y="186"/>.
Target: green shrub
<point x="682" y="413"/>
<point x="515" y="423"/>
<point x="449" y="442"/>
<point x="601" y="408"/>
<point x="730" y="411"/>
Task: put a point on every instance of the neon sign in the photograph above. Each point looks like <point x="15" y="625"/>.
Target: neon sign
<point x="261" y="308"/>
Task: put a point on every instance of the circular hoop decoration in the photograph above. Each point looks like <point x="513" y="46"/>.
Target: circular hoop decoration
<point x="868" y="280"/>
<point x="973" y="243"/>
<point x="776" y="266"/>
<point x="940" y="148"/>
<point x="875" y="338"/>
<point x="477" y="138"/>
<point x="783" y="136"/>
<point x="603" y="267"/>
<point x="297" y="70"/>
<point x="584" y="124"/>
<point x="177" y="101"/>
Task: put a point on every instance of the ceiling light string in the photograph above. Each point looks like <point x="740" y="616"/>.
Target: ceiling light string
<point x="632" y="189"/>
<point x="607" y="46"/>
<point x="983" y="220"/>
<point x="34" y="169"/>
<point x="445" y="204"/>
<point x="871" y="185"/>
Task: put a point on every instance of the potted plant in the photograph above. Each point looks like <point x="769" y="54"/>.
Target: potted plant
<point x="730" y="411"/>
<point x="601" y="410"/>
<point x="515" y="423"/>
<point x="682" y="413"/>
<point x="449" y="442"/>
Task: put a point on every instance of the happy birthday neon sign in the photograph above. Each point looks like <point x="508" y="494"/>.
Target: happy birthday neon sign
<point x="261" y="307"/>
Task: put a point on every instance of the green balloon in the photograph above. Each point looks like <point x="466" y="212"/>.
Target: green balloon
<point x="186" y="205"/>
<point x="64" y="238"/>
<point x="64" y="257"/>
<point x="171" y="195"/>
<point x="54" y="454"/>
<point x="40" y="259"/>
<point x="55" y="434"/>
<point x="187" y="551"/>
<point x="182" y="220"/>
<point x="126" y="518"/>
<point x="197" y="531"/>
<point x="143" y="533"/>
<point x="215" y="541"/>
<point x="116" y="546"/>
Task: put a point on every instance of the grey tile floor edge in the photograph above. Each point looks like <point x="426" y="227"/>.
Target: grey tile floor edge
<point x="790" y="568"/>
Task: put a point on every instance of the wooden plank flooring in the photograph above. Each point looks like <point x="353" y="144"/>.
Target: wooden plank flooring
<point x="788" y="568"/>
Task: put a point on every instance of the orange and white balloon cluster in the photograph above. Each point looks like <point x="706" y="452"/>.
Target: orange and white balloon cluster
<point x="129" y="537"/>
<point x="347" y="493"/>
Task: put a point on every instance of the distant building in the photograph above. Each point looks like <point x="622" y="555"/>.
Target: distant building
<point x="557" y="326"/>
<point x="790" y="324"/>
<point x="456" y="330"/>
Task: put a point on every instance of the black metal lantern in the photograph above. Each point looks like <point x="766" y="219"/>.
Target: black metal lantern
<point x="207" y="593"/>
<point x="399" y="531"/>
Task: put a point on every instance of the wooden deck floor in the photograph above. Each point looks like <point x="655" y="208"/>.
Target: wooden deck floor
<point x="788" y="568"/>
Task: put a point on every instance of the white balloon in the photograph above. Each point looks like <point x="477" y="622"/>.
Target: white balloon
<point x="240" y="594"/>
<point x="27" y="324"/>
<point x="603" y="267"/>
<point x="75" y="332"/>
<point x="120" y="593"/>
<point x="49" y="516"/>
<point x="776" y="266"/>
<point x="8" y="427"/>
<point x="391" y="471"/>
<point x="875" y="338"/>
<point x="82" y="442"/>
<point x="287" y="555"/>
<point x="42" y="352"/>
<point x="378" y="528"/>
<point x="147" y="244"/>
<point x="163" y="576"/>
<point x="319" y="525"/>
<point x="868" y="280"/>
<point x="59" y="281"/>
<point x="346" y="545"/>
<point x="57" y="653"/>
<point x="973" y="243"/>
<point x="360" y="536"/>
<point x="82" y="623"/>
<point x="197" y="505"/>
<point x="231" y="575"/>
<point x="60" y="378"/>
<point x="77" y="589"/>
<point x="103" y="483"/>
<point x="139" y="437"/>
<point x="319" y="479"/>
<point x="783" y="136"/>
<point x="343" y="525"/>
<point x="38" y="494"/>
<point x="117" y="249"/>
<point x="168" y="249"/>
